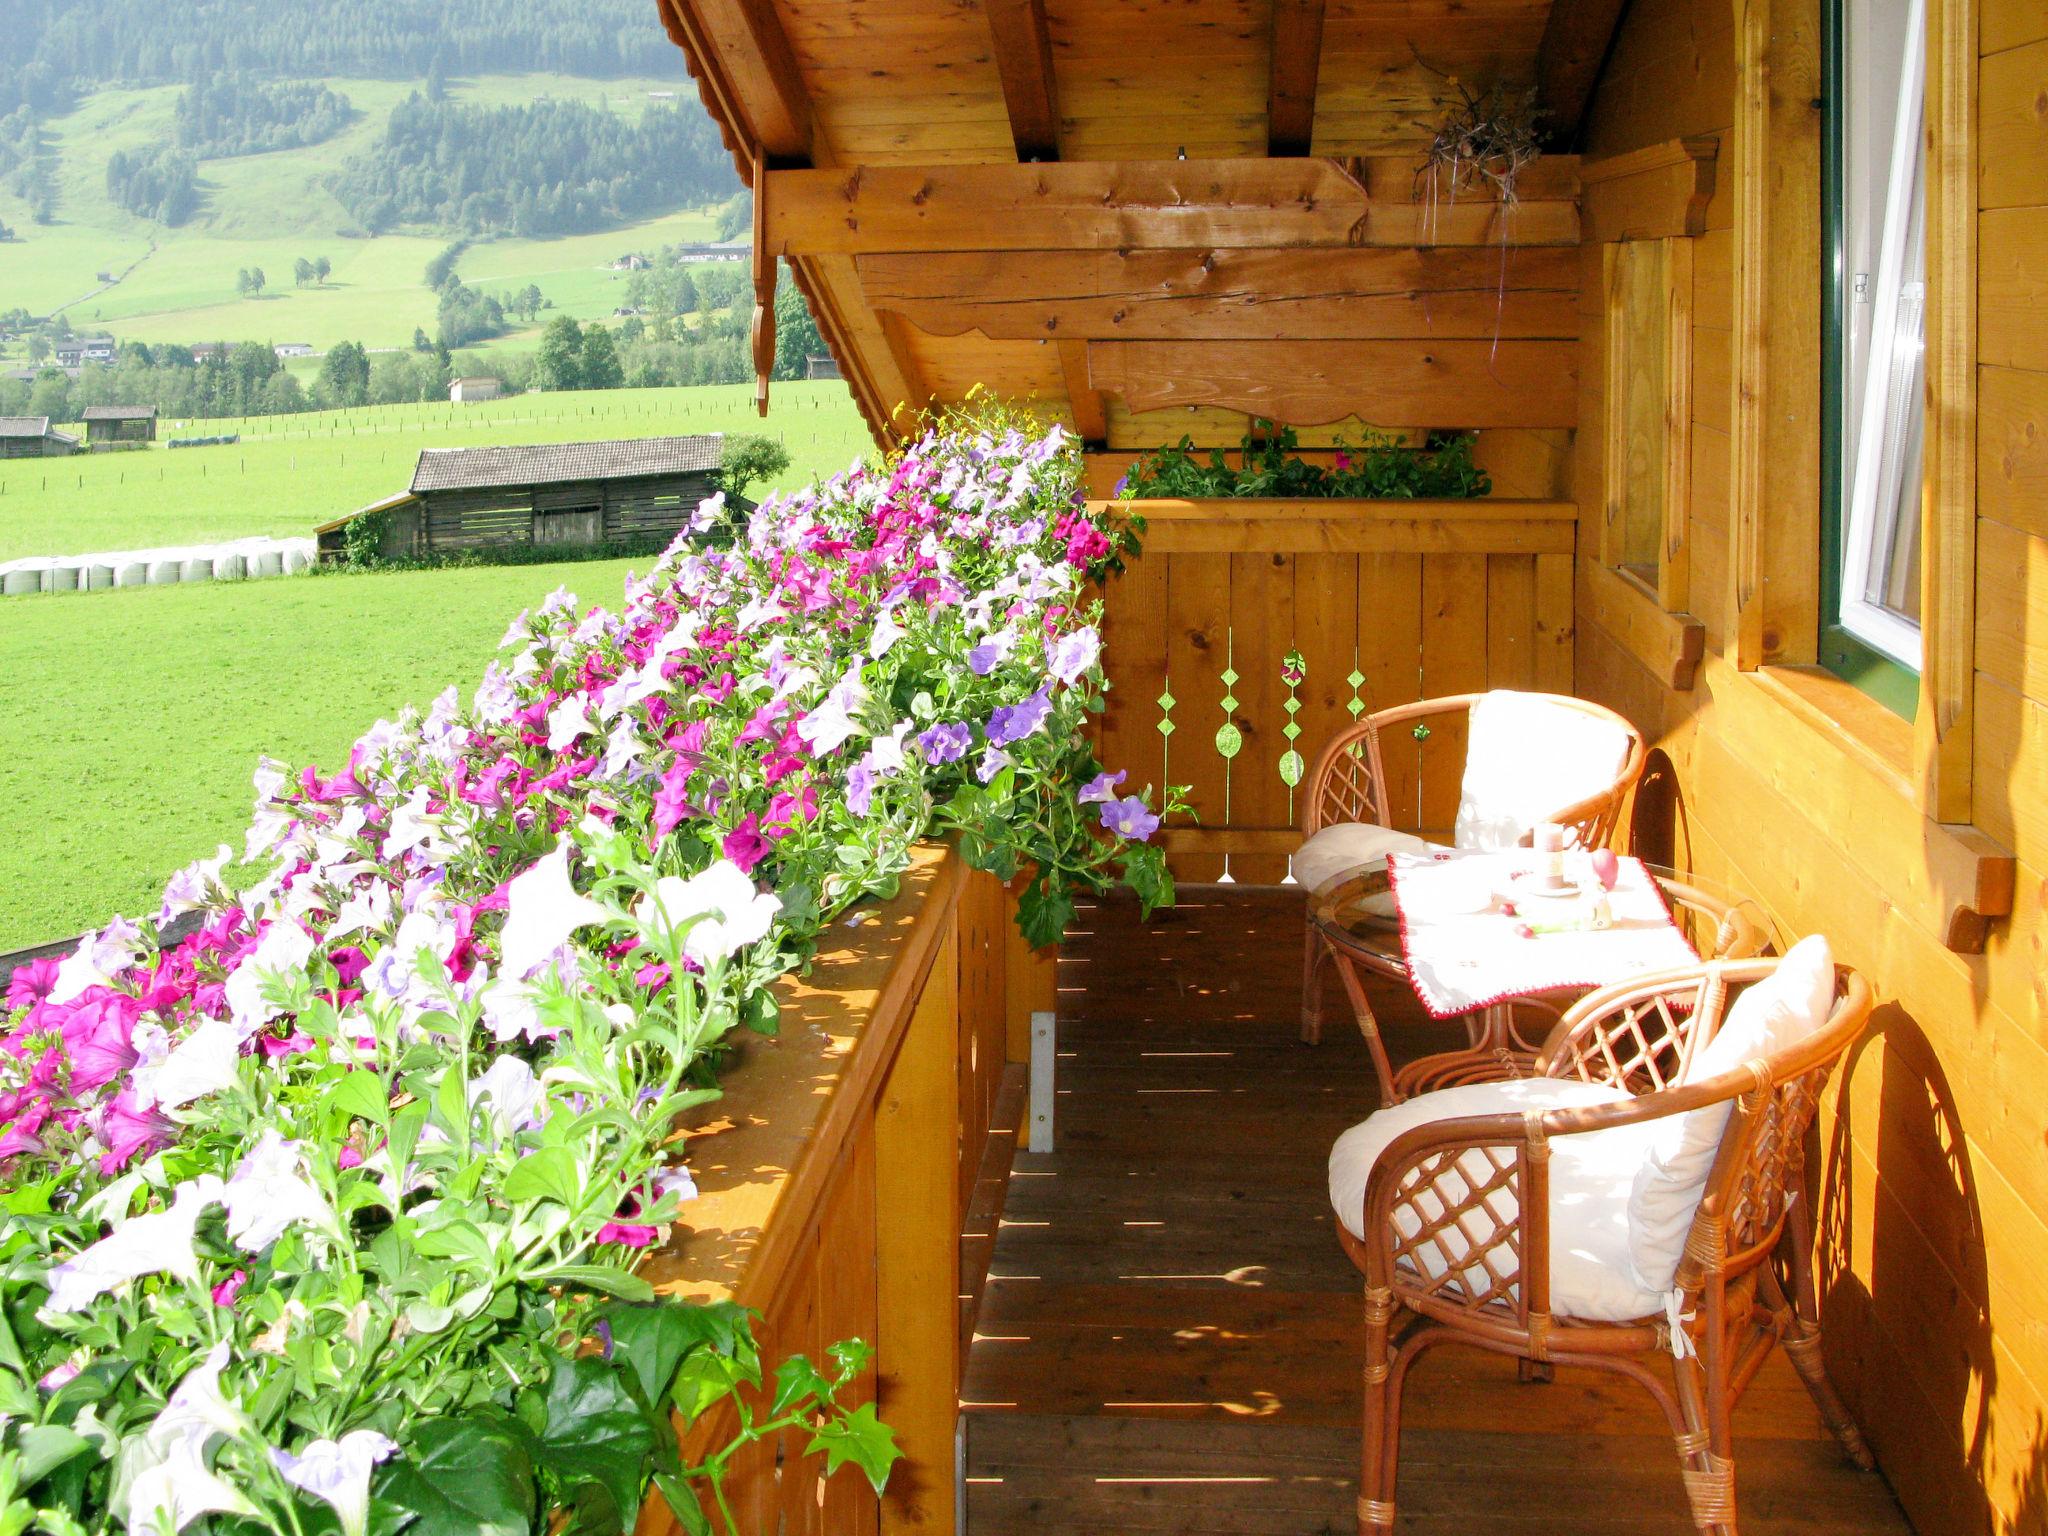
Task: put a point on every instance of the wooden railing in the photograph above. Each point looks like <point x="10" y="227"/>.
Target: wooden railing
<point x="835" y="1176"/>
<point x="1382" y="602"/>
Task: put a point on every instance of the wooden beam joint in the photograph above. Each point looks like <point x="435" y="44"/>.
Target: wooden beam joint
<point x="1023" y="55"/>
<point x="1291" y="86"/>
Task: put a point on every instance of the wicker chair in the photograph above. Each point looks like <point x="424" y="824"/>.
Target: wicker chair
<point x="1745" y="1280"/>
<point x="1349" y="784"/>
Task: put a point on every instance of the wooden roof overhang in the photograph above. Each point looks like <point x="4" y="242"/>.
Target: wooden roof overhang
<point x="1115" y="207"/>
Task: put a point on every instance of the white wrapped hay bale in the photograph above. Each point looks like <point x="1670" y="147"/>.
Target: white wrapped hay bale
<point x="230" y="567"/>
<point x="269" y="562"/>
<point x="99" y="577"/>
<point x="132" y="573"/>
<point x="166" y="573"/>
<point x="61" y="578"/>
<point x="20" y="583"/>
<point x="298" y="562"/>
<point x="199" y="569"/>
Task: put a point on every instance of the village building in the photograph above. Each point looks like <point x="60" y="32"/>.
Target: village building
<point x="293" y="349"/>
<point x="106" y="425"/>
<point x="634" y="492"/>
<point x="79" y="351"/>
<point x="469" y="390"/>
<point x="32" y="437"/>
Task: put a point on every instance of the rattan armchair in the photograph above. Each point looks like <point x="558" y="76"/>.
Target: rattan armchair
<point x="1745" y="1280"/>
<point x="1349" y="784"/>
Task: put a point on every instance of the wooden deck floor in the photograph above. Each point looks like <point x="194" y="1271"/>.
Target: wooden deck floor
<point x="1169" y="1337"/>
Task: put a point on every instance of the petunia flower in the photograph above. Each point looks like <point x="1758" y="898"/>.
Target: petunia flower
<point x="158" y="1242"/>
<point x="1073" y="654"/>
<point x="204" y="1062"/>
<point x="990" y="654"/>
<point x="1101" y="789"/>
<point x="269" y="1194"/>
<point x="885" y="634"/>
<point x="946" y="742"/>
<point x="568" y="721"/>
<point x="730" y="913"/>
<point x="338" y="1471"/>
<point x="993" y="761"/>
<point x="513" y="1093"/>
<point x="543" y="910"/>
<point x="1013" y="722"/>
<point x="744" y="845"/>
<point x="189" y="889"/>
<point x="1130" y="817"/>
<point x="283" y="950"/>
<point x="31" y="982"/>
<point x="860" y="784"/>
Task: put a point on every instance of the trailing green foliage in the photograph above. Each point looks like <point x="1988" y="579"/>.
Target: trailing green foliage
<point x="1378" y="466"/>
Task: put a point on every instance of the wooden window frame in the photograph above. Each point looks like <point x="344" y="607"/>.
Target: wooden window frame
<point x="1668" y="583"/>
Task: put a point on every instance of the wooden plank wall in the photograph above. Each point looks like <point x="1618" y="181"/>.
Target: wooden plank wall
<point x="1934" y="1210"/>
<point x="1460" y="597"/>
<point x="836" y="1182"/>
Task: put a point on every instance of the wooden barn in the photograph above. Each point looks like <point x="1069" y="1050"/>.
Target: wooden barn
<point x="32" y="437"/>
<point x="1756" y="352"/>
<point x="568" y="494"/>
<point x="105" y="424"/>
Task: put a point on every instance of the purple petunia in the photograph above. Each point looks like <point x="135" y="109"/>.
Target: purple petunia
<point x="1013" y="722"/>
<point x="1101" y="789"/>
<point x="946" y="742"/>
<point x="1130" y="817"/>
<point x="860" y="785"/>
<point x="988" y="655"/>
<point x="1073" y="654"/>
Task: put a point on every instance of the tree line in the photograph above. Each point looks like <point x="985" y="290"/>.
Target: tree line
<point x="238" y="114"/>
<point x="550" y="168"/>
<point x="160" y="183"/>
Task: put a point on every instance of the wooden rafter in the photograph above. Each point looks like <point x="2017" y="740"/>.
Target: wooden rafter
<point x="1346" y="294"/>
<point x="1160" y="204"/>
<point x="1091" y="417"/>
<point x="1308" y="383"/>
<point x="1574" y="46"/>
<point x="1023" y="55"/>
<point x="1291" y="82"/>
<point x="753" y="71"/>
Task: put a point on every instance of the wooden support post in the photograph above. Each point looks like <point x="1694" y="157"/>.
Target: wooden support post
<point x="917" y="1254"/>
<point x="763" y="335"/>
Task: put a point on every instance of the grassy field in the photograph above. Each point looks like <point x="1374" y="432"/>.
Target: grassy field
<point x="291" y="473"/>
<point x="265" y="210"/>
<point x="132" y="719"/>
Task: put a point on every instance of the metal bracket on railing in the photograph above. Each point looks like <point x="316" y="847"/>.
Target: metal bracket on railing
<point x="1039" y="1138"/>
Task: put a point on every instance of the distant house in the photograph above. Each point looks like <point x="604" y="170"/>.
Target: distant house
<point x="31" y="437"/>
<point x="79" y="351"/>
<point x="293" y="349"/>
<point x="469" y="391"/>
<point x="554" y="493"/>
<point x="105" y="424"/>
<point x="716" y="250"/>
<point x="826" y="367"/>
<point x="204" y="350"/>
<point x="632" y="261"/>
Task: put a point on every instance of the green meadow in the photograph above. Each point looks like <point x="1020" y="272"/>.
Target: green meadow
<point x="131" y="720"/>
<point x="265" y="210"/>
<point x="289" y="474"/>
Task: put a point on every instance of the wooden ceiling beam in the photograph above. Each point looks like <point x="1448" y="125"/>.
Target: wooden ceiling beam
<point x="1574" y="46"/>
<point x="1307" y="383"/>
<point x="1344" y="294"/>
<point x="1291" y="81"/>
<point x="1023" y="54"/>
<point x="1154" y="204"/>
<point x="743" y="43"/>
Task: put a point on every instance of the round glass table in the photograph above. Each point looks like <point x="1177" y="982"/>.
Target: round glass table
<point x="1352" y="917"/>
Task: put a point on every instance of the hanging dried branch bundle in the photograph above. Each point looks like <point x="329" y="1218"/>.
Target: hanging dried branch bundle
<point x="1482" y="141"/>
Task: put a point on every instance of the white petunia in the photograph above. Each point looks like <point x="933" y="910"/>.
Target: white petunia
<point x="542" y="910"/>
<point x="269" y="1194"/>
<point x="886" y="633"/>
<point x="189" y="889"/>
<point x="513" y="1092"/>
<point x="413" y="826"/>
<point x="339" y="1472"/>
<point x="170" y="1489"/>
<point x="567" y="721"/>
<point x="730" y="912"/>
<point x="887" y="751"/>
<point x="367" y="908"/>
<point x="283" y="950"/>
<point x="160" y="1241"/>
<point x="827" y="726"/>
<point x="204" y="1062"/>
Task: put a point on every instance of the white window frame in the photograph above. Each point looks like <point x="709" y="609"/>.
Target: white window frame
<point x="1870" y="525"/>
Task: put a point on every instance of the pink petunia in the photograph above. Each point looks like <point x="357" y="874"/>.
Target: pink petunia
<point x="31" y="983"/>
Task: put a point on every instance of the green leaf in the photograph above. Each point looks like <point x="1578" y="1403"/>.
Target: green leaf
<point x="44" y="1448"/>
<point x="1043" y="914"/>
<point x="796" y="1380"/>
<point x="648" y="1341"/>
<point x="548" y="1174"/>
<point x="599" y="1277"/>
<point x="467" y="1476"/>
<point x="360" y="1094"/>
<point x="760" y="1012"/>
<point x="1145" y="872"/>
<point x="682" y="1500"/>
<point x="861" y="1438"/>
<point x="594" y="1432"/>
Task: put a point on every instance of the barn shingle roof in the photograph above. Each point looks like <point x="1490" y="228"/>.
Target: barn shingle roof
<point x="119" y="412"/>
<point x="461" y="469"/>
<point x="24" y="426"/>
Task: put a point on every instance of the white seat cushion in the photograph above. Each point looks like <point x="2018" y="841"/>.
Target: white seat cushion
<point x="1346" y="846"/>
<point x="1779" y="1011"/>
<point x="1590" y="1176"/>
<point x="1527" y="757"/>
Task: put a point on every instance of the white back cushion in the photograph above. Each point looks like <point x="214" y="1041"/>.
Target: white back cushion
<point x="1346" y="846"/>
<point x="1779" y="1011"/>
<point x="1590" y="1275"/>
<point x="1528" y="757"/>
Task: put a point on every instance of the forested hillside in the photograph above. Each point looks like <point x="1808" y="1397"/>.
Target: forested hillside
<point x="238" y="114"/>
<point x="54" y="49"/>
<point x="552" y="168"/>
